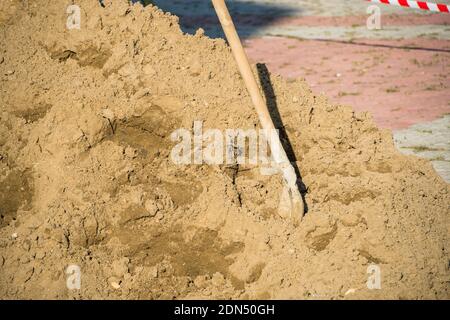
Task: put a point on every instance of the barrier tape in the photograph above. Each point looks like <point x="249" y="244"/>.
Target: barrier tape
<point x="435" y="7"/>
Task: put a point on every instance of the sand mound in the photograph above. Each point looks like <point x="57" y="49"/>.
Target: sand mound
<point x="87" y="179"/>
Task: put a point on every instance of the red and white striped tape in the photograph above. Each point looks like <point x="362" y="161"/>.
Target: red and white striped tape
<point x="436" y="7"/>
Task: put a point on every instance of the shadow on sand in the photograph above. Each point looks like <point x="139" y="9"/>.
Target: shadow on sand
<point x="272" y="105"/>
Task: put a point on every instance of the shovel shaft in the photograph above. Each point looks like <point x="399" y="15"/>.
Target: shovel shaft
<point x="243" y="64"/>
<point x="278" y="152"/>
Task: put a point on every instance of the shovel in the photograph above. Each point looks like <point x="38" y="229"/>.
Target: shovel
<point x="278" y="153"/>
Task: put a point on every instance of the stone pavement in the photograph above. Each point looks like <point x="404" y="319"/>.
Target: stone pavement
<point x="430" y="140"/>
<point x="399" y="73"/>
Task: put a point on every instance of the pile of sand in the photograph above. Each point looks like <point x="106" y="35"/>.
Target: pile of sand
<point x="87" y="179"/>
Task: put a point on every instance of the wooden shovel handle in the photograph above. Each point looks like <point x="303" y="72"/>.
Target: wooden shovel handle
<point x="243" y="64"/>
<point x="278" y="151"/>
